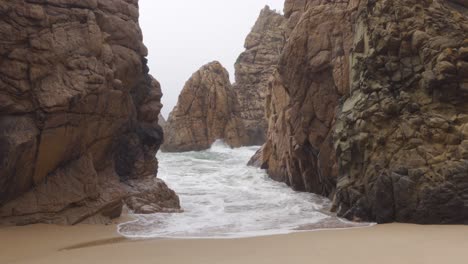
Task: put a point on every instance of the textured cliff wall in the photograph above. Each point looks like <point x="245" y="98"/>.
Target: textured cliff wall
<point x="161" y="121"/>
<point x="204" y="113"/>
<point x="401" y="137"/>
<point x="304" y="94"/>
<point x="254" y="68"/>
<point x="78" y="112"/>
<point x="368" y="106"/>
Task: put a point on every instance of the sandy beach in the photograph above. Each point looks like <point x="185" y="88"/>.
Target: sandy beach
<point x="395" y="243"/>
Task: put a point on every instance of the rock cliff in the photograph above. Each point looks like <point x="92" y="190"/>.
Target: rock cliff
<point x="210" y="108"/>
<point x="368" y="107"/>
<point x="204" y="113"/>
<point x="254" y="68"/>
<point x="401" y="135"/>
<point x="78" y="113"/>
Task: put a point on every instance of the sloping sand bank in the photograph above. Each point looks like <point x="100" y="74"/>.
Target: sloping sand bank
<point x="87" y="244"/>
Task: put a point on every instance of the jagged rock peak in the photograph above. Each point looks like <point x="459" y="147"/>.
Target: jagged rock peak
<point x="204" y="112"/>
<point x="254" y="68"/>
<point x="78" y="113"/>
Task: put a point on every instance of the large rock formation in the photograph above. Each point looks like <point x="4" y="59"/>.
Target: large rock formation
<point x="204" y="113"/>
<point x="368" y="106"/>
<point x="401" y="136"/>
<point x="254" y="68"/>
<point x="78" y="113"/>
<point x="209" y="108"/>
<point x="304" y="92"/>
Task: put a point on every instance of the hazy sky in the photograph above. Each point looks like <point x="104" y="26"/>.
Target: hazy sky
<point x="183" y="35"/>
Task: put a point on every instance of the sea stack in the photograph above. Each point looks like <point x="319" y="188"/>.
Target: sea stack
<point x="204" y="113"/>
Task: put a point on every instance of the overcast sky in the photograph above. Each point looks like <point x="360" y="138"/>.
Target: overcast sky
<point x="183" y="35"/>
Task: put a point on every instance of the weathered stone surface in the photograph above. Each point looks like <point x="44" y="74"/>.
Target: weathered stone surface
<point x="204" y="113"/>
<point x="406" y="163"/>
<point x="78" y="110"/>
<point x="254" y="68"/>
<point x="303" y="97"/>
<point x="368" y="107"/>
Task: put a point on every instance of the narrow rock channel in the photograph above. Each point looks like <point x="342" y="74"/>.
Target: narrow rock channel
<point x="222" y="197"/>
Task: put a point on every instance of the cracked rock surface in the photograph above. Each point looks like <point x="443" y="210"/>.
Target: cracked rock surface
<point x="210" y="108"/>
<point x="204" y="113"/>
<point x="78" y="112"/>
<point x="368" y="107"/>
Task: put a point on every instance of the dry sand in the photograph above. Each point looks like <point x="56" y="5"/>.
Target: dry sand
<point x="88" y="244"/>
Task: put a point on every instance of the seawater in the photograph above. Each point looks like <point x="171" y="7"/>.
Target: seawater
<point x="224" y="198"/>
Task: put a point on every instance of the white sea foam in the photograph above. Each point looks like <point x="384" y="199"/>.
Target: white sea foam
<point x="223" y="198"/>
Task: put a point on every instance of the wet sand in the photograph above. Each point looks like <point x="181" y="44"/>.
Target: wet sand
<point x="89" y="244"/>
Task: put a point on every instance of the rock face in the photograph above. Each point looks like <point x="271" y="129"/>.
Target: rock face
<point x="368" y="107"/>
<point x="78" y="113"/>
<point x="204" y="113"/>
<point x="303" y="97"/>
<point x="254" y="68"/>
<point x="401" y="135"/>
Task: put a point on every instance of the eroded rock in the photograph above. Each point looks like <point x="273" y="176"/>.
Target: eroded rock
<point x="254" y="68"/>
<point x="78" y="110"/>
<point x="204" y="113"/>
<point x="303" y="97"/>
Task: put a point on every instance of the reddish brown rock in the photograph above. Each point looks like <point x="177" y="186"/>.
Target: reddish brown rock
<point x="235" y="113"/>
<point x="254" y="68"/>
<point x="161" y="121"/>
<point x="368" y="107"/>
<point x="78" y="110"/>
<point x="204" y="113"/>
<point x="399" y="136"/>
<point x="303" y="97"/>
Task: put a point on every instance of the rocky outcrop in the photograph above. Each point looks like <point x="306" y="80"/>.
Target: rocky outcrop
<point x="459" y="5"/>
<point x="368" y="107"/>
<point x="78" y="113"/>
<point x="204" y="113"/>
<point x="303" y="96"/>
<point x="161" y="121"/>
<point x="254" y="68"/>
<point x="401" y="135"/>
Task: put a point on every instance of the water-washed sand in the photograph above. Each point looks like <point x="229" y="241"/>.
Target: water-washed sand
<point x="89" y="244"/>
